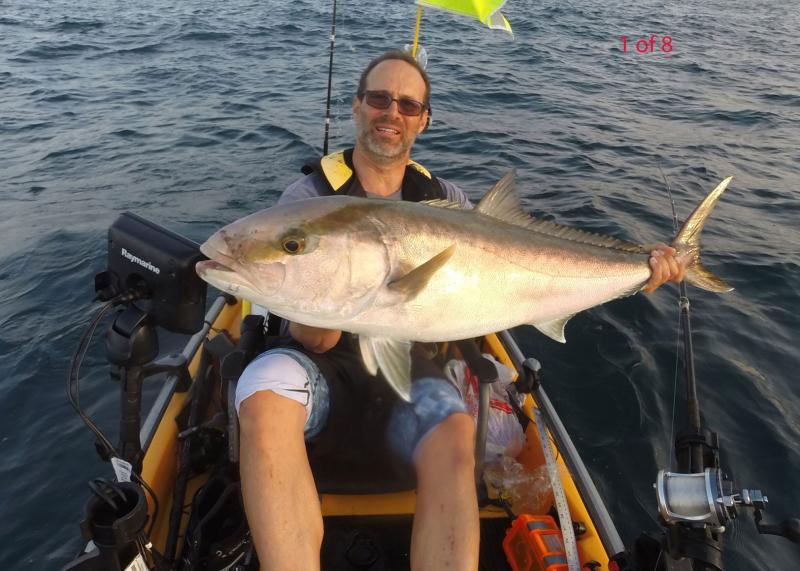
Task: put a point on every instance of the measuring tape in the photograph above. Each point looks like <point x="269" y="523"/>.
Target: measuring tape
<point x="567" y="531"/>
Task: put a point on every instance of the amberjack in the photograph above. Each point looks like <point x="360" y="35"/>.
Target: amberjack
<point x="394" y="272"/>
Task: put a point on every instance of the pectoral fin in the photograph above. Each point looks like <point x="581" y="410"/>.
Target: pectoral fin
<point x="392" y="357"/>
<point x="554" y="329"/>
<point x="411" y="284"/>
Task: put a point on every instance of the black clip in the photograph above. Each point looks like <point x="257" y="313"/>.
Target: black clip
<point x="531" y="378"/>
<point x="175" y="364"/>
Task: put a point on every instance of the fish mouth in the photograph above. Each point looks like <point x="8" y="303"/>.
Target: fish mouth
<point x="221" y="271"/>
<point x="224" y="278"/>
<point x="205" y="267"/>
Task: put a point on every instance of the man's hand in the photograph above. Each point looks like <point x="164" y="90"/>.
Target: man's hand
<point x="664" y="267"/>
<point x="314" y="339"/>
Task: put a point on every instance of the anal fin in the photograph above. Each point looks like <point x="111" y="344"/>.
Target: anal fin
<point x="554" y="328"/>
<point x="392" y="358"/>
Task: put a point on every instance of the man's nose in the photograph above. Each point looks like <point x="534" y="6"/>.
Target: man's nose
<point x="394" y="109"/>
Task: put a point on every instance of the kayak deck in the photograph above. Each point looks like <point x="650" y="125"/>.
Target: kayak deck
<point x="361" y="521"/>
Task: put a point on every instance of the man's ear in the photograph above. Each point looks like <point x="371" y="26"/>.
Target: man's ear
<point x="356" y="105"/>
<point x="427" y="123"/>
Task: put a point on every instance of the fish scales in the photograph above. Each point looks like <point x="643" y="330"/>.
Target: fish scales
<point x="395" y="272"/>
<point x="499" y="276"/>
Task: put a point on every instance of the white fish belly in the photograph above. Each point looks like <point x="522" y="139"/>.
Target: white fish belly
<point x="485" y="287"/>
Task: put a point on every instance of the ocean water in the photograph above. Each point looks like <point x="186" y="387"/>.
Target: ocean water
<point x="195" y="114"/>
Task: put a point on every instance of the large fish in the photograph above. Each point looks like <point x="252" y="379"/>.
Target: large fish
<point x="395" y="272"/>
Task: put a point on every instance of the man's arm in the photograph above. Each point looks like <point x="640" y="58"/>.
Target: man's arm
<point x="455" y="194"/>
<point x="309" y="186"/>
<point x="314" y="339"/>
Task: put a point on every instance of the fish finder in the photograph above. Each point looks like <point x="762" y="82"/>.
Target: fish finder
<point x="158" y="265"/>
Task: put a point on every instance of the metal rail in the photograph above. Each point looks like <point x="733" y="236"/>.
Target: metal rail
<point x="161" y="403"/>
<point x="583" y="481"/>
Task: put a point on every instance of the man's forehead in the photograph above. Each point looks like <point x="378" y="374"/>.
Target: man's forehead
<point x="396" y="75"/>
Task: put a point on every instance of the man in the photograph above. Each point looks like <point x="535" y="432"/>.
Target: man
<point x="283" y="397"/>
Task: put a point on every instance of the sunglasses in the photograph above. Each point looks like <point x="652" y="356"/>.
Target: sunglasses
<point x="383" y="100"/>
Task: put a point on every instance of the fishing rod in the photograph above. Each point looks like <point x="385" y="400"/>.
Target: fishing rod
<point x="695" y="460"/>
<point x="698" y="501"/>
<point x="330" y="81"/>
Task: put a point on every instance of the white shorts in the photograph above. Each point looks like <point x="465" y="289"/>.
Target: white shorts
<point x="291" y="374"/>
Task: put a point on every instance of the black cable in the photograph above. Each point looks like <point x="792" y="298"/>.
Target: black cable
<point x="73" y="379"/>
<point x="104" y="490"/>
<point x="73" y="390"/>
<point x="153" y="495"/>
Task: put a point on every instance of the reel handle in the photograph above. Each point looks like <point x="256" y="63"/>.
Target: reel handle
<point x="788" y="528"/>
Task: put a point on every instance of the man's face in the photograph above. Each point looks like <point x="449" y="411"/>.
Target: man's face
<point x="385" y="134"/>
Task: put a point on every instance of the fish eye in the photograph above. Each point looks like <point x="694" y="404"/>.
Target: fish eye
<point x="293" y="246"/>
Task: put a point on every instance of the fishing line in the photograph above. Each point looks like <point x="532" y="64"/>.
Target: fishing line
<point x="671" y="201"/>
<point x="678" y="338"/>
<point x="660" y="553"/>
<point x="674" y="392"/>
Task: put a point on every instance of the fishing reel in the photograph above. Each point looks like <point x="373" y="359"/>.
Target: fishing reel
<point x="708" y="499"/>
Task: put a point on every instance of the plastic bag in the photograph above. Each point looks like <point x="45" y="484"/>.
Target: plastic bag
<point x="528" y="492"/>
<point x="505" y="435"/>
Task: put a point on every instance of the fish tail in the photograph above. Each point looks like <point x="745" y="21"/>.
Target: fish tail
<point x="688" y="241"/>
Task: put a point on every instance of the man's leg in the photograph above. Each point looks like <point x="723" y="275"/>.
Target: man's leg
<point x="446" y="532"/>
<point x="279" y="494"/>
<point x="436" y="432"/>
<point x="280" y="497"/>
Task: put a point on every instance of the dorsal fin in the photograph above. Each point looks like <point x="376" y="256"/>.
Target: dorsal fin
<point x="502" y="202"/>
<point x="441" y="203"/>
<point x="575" y="235"/>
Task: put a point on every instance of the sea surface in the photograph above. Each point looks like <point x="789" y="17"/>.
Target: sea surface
<point x="193" y="114"/>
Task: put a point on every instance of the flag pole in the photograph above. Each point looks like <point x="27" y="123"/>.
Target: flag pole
<point x="416" y="32"/>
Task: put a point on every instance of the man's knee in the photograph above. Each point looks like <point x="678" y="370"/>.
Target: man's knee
<point x="433" y="402"/>
<point x="281" y="383"/>
<point x="265" y="409"/>
<point x="450" y="444"/>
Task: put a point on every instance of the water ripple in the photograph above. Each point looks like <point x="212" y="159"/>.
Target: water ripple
<point x="196" y="114"/>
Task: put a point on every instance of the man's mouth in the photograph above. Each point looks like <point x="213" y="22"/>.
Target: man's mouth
<point x="387" y="130"/>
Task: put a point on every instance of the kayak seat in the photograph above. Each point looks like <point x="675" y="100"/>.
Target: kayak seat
<point x="351" y="456"/>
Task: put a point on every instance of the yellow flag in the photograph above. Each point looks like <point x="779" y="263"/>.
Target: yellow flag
<point x="486" y="11"/>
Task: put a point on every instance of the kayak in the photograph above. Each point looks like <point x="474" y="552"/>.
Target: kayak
<point x="362" y="530"/>
<point x="175" y="502"/>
